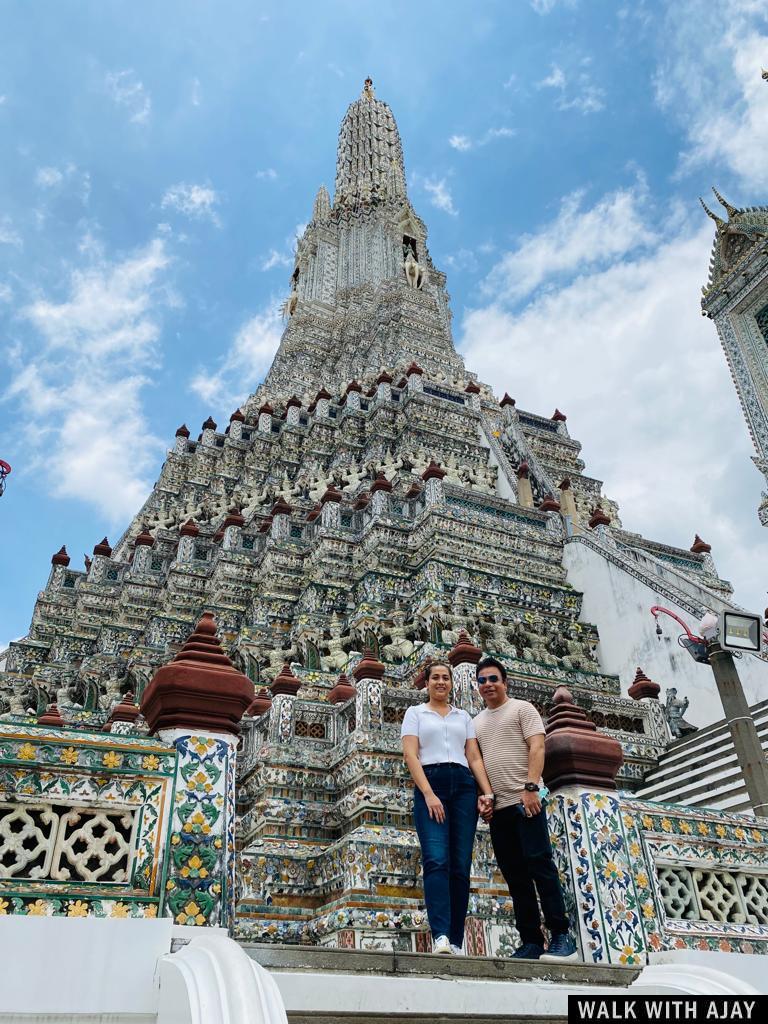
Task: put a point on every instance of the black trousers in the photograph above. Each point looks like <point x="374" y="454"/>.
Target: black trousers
<point x="524" y="855"/>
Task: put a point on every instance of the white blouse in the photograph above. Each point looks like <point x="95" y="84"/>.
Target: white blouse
<point x="441" y="739"/>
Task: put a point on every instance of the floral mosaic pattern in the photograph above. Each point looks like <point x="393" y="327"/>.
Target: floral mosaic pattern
<point x="81" y="782"/>
<point x="612" y="854"/>
<point x="697" y="839"/>
<point x="200" y="885"/>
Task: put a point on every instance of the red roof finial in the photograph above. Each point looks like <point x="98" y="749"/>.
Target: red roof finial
<point x="368" y="667"/>
<point x="51" y="717"/>
<point x="342" y="691"/>
<point x="642" y="686"/>
<point x="200" y="689"/>
<point x="700" y="547"/>
<point x="549" y="504"/>
<point x="576" y="753"/>
<point x="286" y="682"/>
<point x="599" y="517"/>
<point x="61" y="557"/>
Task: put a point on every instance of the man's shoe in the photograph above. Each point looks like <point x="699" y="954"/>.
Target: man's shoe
<point x="528" y="951"/>
<point x="561" y="948"/>
<point x="442" y="945"/>
<point x="457" y="950"/>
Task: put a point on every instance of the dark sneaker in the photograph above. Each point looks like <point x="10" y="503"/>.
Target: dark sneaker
<point x="561" y="948"/>
<point x="528" y="951"/>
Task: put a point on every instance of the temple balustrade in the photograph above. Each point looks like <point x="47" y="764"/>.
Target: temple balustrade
<point x="84" y="820"/>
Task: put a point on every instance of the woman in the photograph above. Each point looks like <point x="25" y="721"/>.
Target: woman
<point x="442" y="755"/>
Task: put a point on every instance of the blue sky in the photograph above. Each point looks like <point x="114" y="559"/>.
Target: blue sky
<point x="159" y="158"/>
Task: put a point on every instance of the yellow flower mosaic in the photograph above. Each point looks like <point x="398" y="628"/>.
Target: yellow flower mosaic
<point x="112" y="759"/>
<point x="77" y="908"/>
<point x="26" y="752"/>
<point x="68" y="755"/>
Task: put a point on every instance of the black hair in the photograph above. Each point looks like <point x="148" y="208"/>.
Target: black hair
<point x="491" y="663"/>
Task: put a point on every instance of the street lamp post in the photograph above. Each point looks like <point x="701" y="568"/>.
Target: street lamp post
<point x="746" y="742"/>
<point x="741" y="724"/>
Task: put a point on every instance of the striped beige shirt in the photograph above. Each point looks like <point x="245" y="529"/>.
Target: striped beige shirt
<point x="501" y="733"/>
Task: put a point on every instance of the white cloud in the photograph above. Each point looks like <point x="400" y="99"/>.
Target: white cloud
<point x="8" y="235"/>
<point x="554" y="80"/>
<point x="195" y="201"/>
<point x="464" y="142"/>
<point x="47" y="177"/>
<point x="80" y="378"/>
<point x="50" y="178"/>
<point x="195" y="96"/>
<point x="547" y="6"/>
<point x="709" y="80"/>
<point x="582" y="95"/>
<point x="623" y="350"/>
<point x="128" y="91"/>
<point x="285" y="257"/>
<point x="439" y="193"/>
<point x="6" y="292"/>
<point x="268" y="172"/>
<point x="2" y="100"/>
<point x="246" y="362"/>
<point x="277" y="259"/>
<point x="335" y="69"/>
<point x="578" y="239"/>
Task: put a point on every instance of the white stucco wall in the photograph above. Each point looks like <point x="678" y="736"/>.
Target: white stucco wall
<point x="618" y="604"/>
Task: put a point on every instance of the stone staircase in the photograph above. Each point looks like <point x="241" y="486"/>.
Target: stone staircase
<point x="701" y="770"/>
<point x="360" y="987"/>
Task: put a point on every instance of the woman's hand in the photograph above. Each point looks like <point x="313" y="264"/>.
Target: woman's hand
<point x="435" y="808"/>
<point x="485" y="807"/>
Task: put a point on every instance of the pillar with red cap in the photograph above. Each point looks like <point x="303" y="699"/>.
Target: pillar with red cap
<point x="195" y="704"/>
<point x="585" y="816"/>
<point x="463" y="658"/>
<point x="433" y="477"/>
<point x="368" y="674"/>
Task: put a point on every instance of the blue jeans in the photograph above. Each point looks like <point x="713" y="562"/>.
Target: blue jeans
<point x="446" y="848"/>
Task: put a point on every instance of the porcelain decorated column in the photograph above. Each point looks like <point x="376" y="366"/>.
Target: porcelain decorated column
<point x="195" y="703"/>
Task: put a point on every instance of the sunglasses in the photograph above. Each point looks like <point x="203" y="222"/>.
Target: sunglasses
<point x="488" y="679"/>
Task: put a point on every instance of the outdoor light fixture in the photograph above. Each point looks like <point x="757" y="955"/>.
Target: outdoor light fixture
<point x="740" y="631"/>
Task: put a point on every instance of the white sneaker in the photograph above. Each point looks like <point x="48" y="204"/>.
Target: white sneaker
<point x="457" y="950"/>
<point x="442" y="945"/>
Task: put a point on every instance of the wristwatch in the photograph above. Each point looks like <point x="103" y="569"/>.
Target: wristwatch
<point x="489" y="796"/>
<point x="531" y="787"/>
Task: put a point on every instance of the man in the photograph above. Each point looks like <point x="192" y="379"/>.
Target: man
<point x="511" y="737"/>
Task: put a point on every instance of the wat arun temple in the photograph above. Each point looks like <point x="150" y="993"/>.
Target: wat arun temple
<point x="202" y="725"/>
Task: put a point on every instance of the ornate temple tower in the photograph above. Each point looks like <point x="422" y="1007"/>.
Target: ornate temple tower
<point x="372" y="505"/>
<point x="736" y="298"/>
<point x="364" y="292"/>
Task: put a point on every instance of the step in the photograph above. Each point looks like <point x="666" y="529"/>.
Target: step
<point x="315" y="959"/>
<point x="333" y="1016"/>
<point x="359" y="986"/>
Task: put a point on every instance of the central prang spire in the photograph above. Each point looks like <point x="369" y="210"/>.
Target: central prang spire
<point x="365" y="296"/>
<point x="369" y="158"/>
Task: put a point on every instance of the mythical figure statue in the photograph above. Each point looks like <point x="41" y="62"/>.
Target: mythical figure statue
<point x="400" y="646"/>
<point x="674" y="709"/>
<point x="414" y="273"/>
<point x="337" y="657"/>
